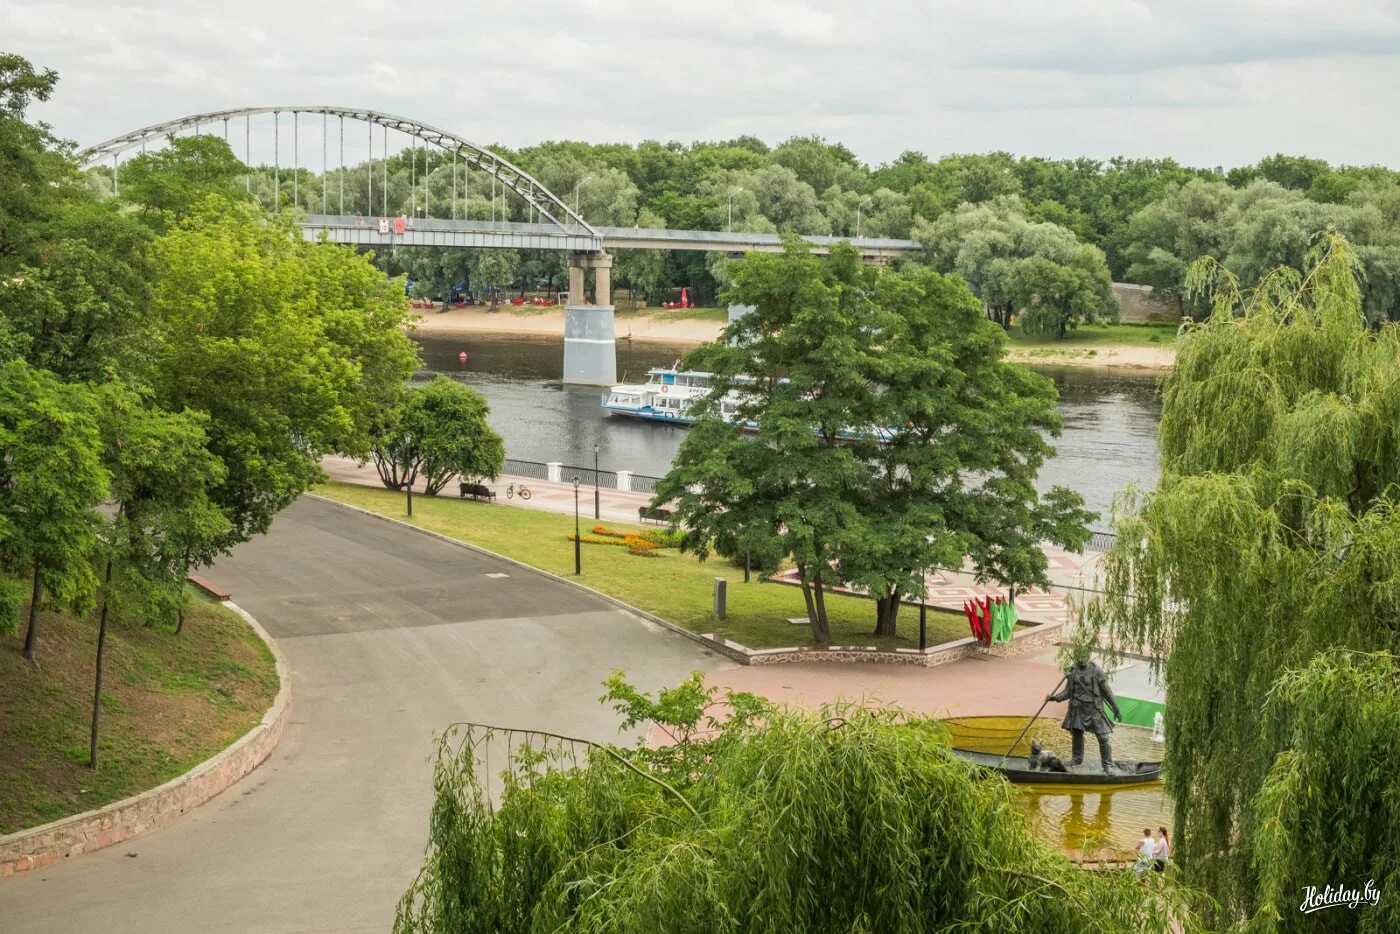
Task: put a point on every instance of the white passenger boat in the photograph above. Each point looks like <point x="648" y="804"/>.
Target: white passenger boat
<point x="669" y="393"/>
<point x="666" y="396"/>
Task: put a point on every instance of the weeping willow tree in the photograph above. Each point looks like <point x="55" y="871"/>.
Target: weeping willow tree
<point x="1272" y="537"/>
<point x="1326" y="819"/>
<point x="843" y="819"/>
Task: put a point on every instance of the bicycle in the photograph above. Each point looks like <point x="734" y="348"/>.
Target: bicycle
<point x="512" y="489"/>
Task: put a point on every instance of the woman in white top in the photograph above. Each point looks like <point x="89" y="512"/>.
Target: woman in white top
<point x="1146" y="852"/>
<point x="1163" y="851"/>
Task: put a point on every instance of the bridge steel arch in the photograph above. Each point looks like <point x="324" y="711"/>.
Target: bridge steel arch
<point x="508" y="174"/>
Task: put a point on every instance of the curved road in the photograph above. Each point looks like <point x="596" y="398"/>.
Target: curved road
<point x="390" y="635"/>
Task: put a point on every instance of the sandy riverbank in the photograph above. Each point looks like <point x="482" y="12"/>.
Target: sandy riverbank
<point x="658" y="328"/>
<point x="654" y="328"/>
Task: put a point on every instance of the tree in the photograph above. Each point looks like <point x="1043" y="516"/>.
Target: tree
<point x="438" y="431"/>
<point x="802" y="349"/>
<point x="1189" y="221"/>
<point x="1325" y="815"/>
<point x="954" y="472"/>
<point x="840" y="819"/>
<point x="1014" y="265"/>
<point x="171" y="183"/>
<point x="292" y="350"/>
<point x="36" y="174"/>
<point x="163" y="519"/>
<point x="51" y="482"/>
<point x="1271" y="538"/>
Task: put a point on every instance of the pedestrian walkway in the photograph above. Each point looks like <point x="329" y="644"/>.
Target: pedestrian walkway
<point x="614" y="505"/>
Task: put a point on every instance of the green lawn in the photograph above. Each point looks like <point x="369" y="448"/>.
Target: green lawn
<point x="168" y="703"/>
<point x="676" y="587"/>
<point x="624" y="310"/>
<point x="1094" y="336"/>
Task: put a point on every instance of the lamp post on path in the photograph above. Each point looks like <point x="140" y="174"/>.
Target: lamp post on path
<point x="597" y="499"/>
<point x="578" y="542"/>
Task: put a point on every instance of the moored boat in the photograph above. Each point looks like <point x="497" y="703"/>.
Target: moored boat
<point x="1018" y="769"/>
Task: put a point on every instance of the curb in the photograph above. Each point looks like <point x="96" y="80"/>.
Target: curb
<point x="38" y="847"/>
<point x="1034" y="636"/>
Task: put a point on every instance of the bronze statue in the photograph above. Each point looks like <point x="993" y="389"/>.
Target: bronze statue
<point x="1087" y="691"/>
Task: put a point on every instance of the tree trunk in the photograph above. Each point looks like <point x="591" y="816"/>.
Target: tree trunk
<point x="821" y="628"/>
<point x="886" y="612"/>
<point x="31" y="635"/>
<point x="807" y="598"/>
<point x="97" y="679"/>
<point x="1062" y="329"/>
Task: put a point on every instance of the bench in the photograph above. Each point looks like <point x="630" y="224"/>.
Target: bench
<point x="653" y="514"/>
<point x="209" y="587"/>
<point x="476" y="491"/>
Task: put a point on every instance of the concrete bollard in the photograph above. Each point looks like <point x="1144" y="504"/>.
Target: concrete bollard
<point x="624" y="481"/>
<point x="554" y="471"/>
<point x="720" y="593"/>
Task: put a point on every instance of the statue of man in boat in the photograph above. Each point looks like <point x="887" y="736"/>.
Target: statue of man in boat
<point x="1086" y="688"/>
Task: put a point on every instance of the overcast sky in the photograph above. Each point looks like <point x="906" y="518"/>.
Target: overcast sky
<point x="1209" y="83"/>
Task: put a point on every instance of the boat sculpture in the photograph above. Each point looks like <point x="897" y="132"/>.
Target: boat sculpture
<point x="1017" y="769"/>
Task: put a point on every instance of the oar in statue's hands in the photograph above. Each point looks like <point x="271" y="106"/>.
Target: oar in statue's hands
<point x="1030" y="721"/>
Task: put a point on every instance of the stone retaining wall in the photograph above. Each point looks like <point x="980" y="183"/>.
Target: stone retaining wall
<point x="45" y="845"/>
<point x="1025" y="638"/>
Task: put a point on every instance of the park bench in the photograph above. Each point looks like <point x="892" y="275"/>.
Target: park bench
<point x="653" y="514"/>
<point x="209" y="587"/>
<point x="475" y="491"/>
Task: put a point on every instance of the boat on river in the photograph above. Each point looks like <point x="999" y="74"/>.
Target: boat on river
<point x="1018" y="769"/>
<point x="669" y="393"/>
<point x="666" y="396"/>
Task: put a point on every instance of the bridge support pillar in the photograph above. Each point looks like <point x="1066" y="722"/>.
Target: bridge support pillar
<point x="601" y="264"/>
<point x="575" y="281"/>
<point x="590" y="347"/>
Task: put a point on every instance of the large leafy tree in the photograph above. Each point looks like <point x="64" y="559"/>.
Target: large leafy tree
<point x="801" y="357"/>
<point x="840" y="819"/>
<point x="954" y="474"/>
<point x="291" y="349"/>
<point x="1270" y="538"/>
<point x="1016" y="265"/>
<point x="437" y="432"/>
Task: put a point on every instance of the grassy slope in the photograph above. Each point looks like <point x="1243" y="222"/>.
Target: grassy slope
<point x="168" y="703"/>
<point x="676" y="587"/>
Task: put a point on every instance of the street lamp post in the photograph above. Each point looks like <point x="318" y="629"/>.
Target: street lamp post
<point x="577" y="186"/>
<point x="578" y="542"/>
<point x="858" y="207"/>
<point x="732" y="193"/>
<point x="597" y="499"/>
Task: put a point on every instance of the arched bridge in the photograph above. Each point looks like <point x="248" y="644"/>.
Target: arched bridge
<point x="558" y="227"/>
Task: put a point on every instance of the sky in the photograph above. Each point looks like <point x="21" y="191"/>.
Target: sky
<point x="1208" y="83"/>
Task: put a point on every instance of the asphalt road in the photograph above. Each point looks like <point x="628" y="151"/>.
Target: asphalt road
<point x="390" y="635"/>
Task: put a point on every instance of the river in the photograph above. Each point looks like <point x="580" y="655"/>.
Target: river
<point x="1109" y="440"/>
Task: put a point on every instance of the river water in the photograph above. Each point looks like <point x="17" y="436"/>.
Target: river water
<point x="1110" y="419"/>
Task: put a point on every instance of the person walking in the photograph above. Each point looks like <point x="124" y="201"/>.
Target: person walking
<point x="1146" y="852"/>
<point x="1162" y="852"/>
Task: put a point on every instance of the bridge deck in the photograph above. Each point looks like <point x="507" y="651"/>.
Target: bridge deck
<point x="515" y="235"/>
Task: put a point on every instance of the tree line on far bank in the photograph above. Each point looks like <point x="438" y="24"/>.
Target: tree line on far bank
<point x="1085" y="222"/>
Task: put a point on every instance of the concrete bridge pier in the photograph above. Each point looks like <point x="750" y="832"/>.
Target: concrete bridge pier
<point x="590" y="345"/>
<point x="590" y="332"/>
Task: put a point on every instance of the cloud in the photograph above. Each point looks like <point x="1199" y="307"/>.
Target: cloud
<point x="1206" y="83"/>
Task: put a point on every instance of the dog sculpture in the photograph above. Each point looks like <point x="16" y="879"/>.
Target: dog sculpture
<point x="1043" y="760"/>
